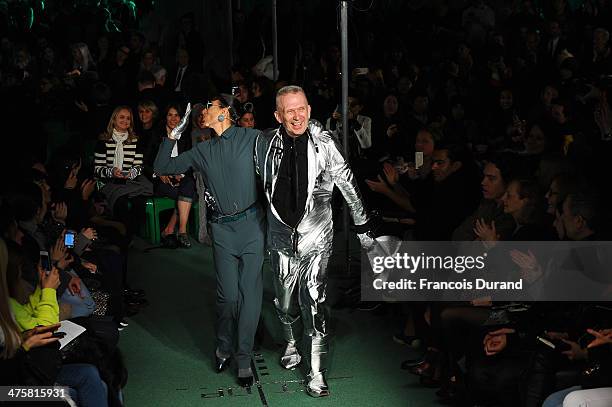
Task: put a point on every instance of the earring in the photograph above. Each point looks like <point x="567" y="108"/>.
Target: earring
<point x="221" y="117"/>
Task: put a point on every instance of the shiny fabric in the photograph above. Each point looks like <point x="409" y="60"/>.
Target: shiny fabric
<point x="299" y="256"/>
<point x="326" y="168"/>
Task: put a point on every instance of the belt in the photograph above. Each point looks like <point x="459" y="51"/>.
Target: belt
<point x="215" y="218"/>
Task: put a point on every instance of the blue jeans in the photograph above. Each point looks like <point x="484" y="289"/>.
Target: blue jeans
<point x="556" y="399"/>
<point x="91" y="391"/>
<point x="81" y="307"/>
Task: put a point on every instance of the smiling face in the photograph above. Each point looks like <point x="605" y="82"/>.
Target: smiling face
<point x="123" y="120"/>
<point x="172" y="118"/>
<point x="293" y="112"/>
<point x="535" y="143"/>
<point x="145" y="115"/>
<point x="505" y="99"/>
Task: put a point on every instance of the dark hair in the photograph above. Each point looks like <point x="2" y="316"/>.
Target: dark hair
<point x="567" y="184"/>
<point x="456" y="152"/>
<point x="505" y="164"/>
<point x="26" y="200"/>
<point x="223" y="103"/>
<point x="587" y="205"/>
<point x="534" y="209"/>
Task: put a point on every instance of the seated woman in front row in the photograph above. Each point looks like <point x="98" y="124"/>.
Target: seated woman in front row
<point x="181" y="188"/>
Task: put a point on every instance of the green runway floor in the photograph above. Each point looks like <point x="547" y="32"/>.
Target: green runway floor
<point x="168" y="346"/>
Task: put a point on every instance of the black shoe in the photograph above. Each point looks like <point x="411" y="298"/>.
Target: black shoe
<point x="245" y="381"/>
<point x="183" y="240"/>
<point x="169" y="241"/>
<point x="221" y="363"/>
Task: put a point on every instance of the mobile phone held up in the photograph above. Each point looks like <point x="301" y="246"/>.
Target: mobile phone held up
<point x="45" y="261"/>
<point x="69" y="238"/>
<point x="418" y="159"/>
<point x="125" y="173"/>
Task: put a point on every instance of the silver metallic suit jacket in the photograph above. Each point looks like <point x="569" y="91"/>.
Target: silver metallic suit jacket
<point x="326" y="168"/>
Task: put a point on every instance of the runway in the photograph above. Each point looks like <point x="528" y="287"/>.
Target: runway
<point x="168" y="346"/>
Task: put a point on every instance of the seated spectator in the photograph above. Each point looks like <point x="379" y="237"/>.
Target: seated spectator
<point x="41" y="307"/>
<point x="181" y="187"/>
<point x="524" y="201"/>
<point x="496" y="176"/>
<point x="247" y="116"/>
<point x="119" y="165"/>
<point x="32" y="357"/>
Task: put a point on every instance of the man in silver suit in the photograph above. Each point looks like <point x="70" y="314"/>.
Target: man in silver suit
<point x="299" y="164"/>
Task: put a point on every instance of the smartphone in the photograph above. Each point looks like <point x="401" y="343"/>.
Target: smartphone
<point x="45" y="261"/>
<point x="69" y="238"/>
<point x="125" y="173"/>
<point x="418" y="159"/>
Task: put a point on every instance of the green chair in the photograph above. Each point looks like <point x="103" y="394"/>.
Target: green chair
<point x="153" y="208"/>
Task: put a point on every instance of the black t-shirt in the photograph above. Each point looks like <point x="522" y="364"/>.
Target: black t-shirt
<point x="291" y="189"/>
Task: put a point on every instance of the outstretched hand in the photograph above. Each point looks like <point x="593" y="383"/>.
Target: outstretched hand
<point x="176" y="132"/>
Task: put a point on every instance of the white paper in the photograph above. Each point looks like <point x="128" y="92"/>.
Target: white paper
<point x="72" y="330"/>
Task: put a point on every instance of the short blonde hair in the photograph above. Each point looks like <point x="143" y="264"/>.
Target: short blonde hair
<point x="286" y="90"/>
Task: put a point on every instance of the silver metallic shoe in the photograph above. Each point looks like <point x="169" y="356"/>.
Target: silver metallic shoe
<point x="291" y="357"/>
<point x="317" y="385"/>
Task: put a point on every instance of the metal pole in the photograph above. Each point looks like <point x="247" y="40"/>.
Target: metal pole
<point x="274" y="40"/>
<point x="344" y="109"/>
<point x="230" y="25"/>
<point x="238" y="5"/>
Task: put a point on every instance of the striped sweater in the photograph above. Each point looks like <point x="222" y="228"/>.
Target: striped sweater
<point x="105" y="157"/>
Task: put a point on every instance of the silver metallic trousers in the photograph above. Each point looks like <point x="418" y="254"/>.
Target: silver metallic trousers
<point x="300" y="284"/>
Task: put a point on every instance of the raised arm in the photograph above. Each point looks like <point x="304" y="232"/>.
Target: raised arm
<point x="166" y="165"/>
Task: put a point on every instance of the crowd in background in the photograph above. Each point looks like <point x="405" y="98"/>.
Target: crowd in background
<point x="468" y="120"/>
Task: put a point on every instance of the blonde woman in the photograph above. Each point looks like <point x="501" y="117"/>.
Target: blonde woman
<point x="118" y="165"/>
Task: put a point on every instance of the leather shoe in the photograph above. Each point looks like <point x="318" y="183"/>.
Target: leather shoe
<point x="221" y="363"/>
<point x="245" y="381"/>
